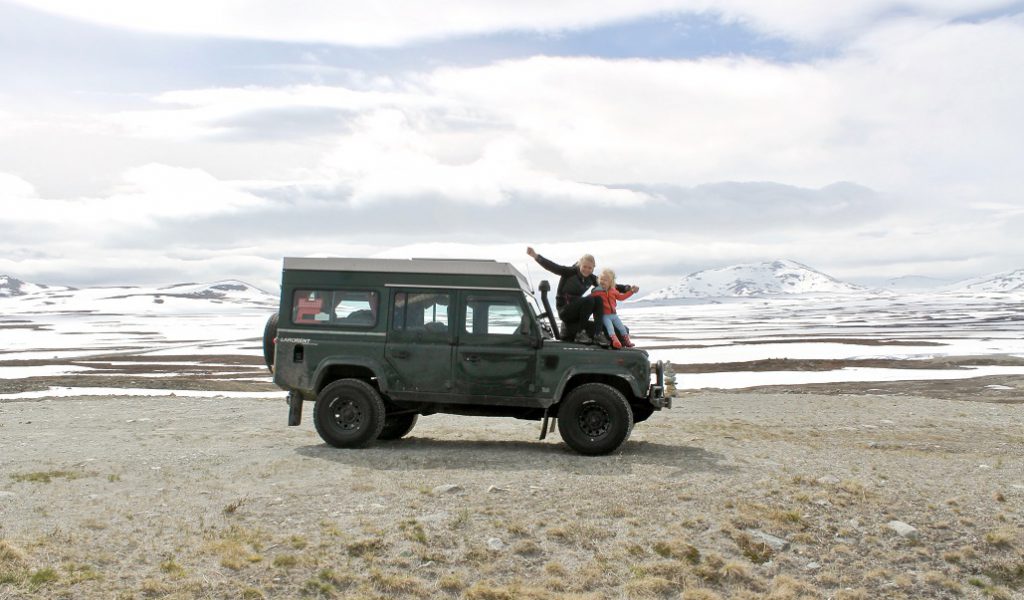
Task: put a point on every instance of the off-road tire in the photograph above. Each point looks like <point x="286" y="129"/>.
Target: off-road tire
<point x="269" y="335"/>
<point x="595" y="419"/>
<point x="642" y="413"/>
<point x="349" y="413"/>
<point x="398" y="426"/>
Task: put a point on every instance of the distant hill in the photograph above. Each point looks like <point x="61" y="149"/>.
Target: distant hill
<point x="230" y="290"/>
<point x="1011" y="281"/>
<point x="915" y="283"/>
<point x="189" y="296"/>
<point x="774" y="278"/>
<point x="9" y="286"/>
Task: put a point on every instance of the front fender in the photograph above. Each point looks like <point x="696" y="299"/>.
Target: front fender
<point x="639" y="388"/>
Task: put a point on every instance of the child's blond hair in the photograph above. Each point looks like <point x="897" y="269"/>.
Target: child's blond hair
<point x="610" y="274"/>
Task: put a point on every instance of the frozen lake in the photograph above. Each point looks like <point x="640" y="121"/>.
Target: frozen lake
<point x="889" y="327"/>
<point x="41" y="338"/>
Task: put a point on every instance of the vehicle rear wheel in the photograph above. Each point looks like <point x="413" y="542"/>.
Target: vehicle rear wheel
<point x="349" y="413"/>
<point x="269" y="337"/>
<point x="594" y="419"/>
<point x="398" y="426"/>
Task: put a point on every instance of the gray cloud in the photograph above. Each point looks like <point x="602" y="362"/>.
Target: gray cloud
<point x="325" y="212"/>
<point x="691" y="229"/>
<point x="282" y="123"/>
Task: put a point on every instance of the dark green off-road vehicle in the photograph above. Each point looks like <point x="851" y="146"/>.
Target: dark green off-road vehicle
<point x="375" y="343"/>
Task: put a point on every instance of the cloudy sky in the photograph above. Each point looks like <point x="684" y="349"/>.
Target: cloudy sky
<point x="197" y="140"/>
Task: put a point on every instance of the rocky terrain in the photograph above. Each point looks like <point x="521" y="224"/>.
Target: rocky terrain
<point x="753" y="494"/>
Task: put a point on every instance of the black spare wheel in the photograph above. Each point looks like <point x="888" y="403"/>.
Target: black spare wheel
<point x="269" y="340"/>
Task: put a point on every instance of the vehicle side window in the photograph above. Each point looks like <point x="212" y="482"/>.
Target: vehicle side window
<point x="356" y="308"/>
<point x="416" y="311"/>
<point x="309" y="307"/>
<point x="493" y="315"/>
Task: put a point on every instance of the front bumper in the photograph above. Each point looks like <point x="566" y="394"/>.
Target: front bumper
<point x="656" y="394"/>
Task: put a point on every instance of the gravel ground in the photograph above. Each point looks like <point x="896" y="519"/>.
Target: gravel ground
<point x="216" y="498"/>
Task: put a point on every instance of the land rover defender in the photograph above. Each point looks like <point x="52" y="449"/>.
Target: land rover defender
<point x="375" y="343"/>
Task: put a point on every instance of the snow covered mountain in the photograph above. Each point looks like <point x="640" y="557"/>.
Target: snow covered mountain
<point x="9" y="286"/>
<point x="774" y="278"/>
<point x="185" y="296"/>
<point x="1012" y="281"/>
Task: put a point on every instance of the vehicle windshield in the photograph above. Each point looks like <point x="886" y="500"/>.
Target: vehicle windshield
<point x="545" y="326"/>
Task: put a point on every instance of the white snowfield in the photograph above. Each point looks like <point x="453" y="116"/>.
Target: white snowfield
<point x="226" y="317"/>
<point x="61" y="326"/>
<point x="918" y="326"/>
<point x="75" y="392"/>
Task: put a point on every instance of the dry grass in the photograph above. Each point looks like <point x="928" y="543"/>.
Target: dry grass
<point x="785" y="587"/>
<point x="755" y="551"/>
<point x="937" y="579"/>
<point x="11" y="555"/>
<point x="394" y="584"/>
<point x="1000" y="538"/>
<point x="365" y="546"/>
<point x="700" y="594"/>
<point x="651" y="587"/>
<point x="579" y="534"/>
<point x="677" y="548"/>
<point x="47" y="476"/>
<point x="236" y="547"/>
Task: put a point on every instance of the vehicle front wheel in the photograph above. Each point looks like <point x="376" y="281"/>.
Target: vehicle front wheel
<point x="349" y="413"/>
<point x="398" y="426"/>
<point x="594" y="419"/>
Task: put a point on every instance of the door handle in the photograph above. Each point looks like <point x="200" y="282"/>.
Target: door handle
<point x="400" y="353"/>
<point x="473" y="358"/>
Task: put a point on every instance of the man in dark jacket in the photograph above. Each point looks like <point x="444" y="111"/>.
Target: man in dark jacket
<point x="573" y="308"/>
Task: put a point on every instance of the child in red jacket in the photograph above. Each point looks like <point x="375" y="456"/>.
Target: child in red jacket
<point x="610" y="296"/>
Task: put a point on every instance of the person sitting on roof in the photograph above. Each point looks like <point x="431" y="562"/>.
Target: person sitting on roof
<point x="609" y="296"/>
<point x="574" y="306"/>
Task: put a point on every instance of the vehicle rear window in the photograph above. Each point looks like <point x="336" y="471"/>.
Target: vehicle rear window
<point x="355" y="308"/>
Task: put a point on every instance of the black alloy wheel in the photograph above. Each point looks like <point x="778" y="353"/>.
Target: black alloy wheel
<point x="349" y="413"/>
<point x="595" y="419"/>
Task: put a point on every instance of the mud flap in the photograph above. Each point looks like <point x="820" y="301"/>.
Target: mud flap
<point x="544" y="429"/>
<point x="294" y="408"/>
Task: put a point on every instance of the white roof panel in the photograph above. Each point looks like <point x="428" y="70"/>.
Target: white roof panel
<point x="442" y="266"/>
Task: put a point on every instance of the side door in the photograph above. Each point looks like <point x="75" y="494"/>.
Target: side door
<point x="495" y="355"/>
<point x="419" y="343"/>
